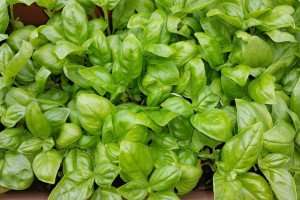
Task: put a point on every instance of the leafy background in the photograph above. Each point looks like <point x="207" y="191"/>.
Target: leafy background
<point x="151" y="99"/>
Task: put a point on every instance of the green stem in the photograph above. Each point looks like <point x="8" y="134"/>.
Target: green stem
<point x="107" y="20"/>
<point x="12" y="17"/>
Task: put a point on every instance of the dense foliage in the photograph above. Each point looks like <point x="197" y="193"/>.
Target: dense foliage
<point x="148" y="95"/>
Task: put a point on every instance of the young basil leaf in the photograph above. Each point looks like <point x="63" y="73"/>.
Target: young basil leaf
<point x="163" y="157"/>
<point x="75" y="22"/>
<point x="178" y="105"/>
<point x="158" y="81"/>
<point x="27" y="74"/>
<point x="262" y="89"/>
<point x="32" y="145"/>
<point x="135" y="161"/>
<point x="76" y="185"/>
<point x="131" y="60"/>
<point x="11" y="138"/>
<point x="282" y="182"/>
<point x="220" y="31"/>
<point x="213" y="123"/>
<point x="249" y="113"/>
<point x="17" y="37"/>
<point x="163" y="195"/>
<point x="96" y="25"/>
<point x="98" y="49"/>
<point x="107" y="194"/>
<point x="230" y="12"/>
<point x="64" y="48"/>
<point x="165" y="178"/>
<point x="231" y="89"/>
<point x="276" y="142"/>
<point x="45" y="56"/>
<point x="161" y="50"/>
<point x="53" y="98"/>
<point x="126" y="8"/>
<point x="4" y="17"/>
<point x="6" y="53"/>
<point x="192" y="78"/>
<point x="46" y="165"/>
<point x="17" y="96"/>
<point x="280" y="36"/>
<point x="76" y="160"/>
<point x="36" y="121"/>
<point x="134" y="190"/>
<point x="247" y="186"/>
<point x="99" y="78"/>
<point x="107" y="4"/>
<point x="92" y="111"/>
<point x="184" y="51"/>
<point x="294" y="105"/>
<point x="190" y="176"/>
<point x="255" y="187"/>
<point x="239" y="74"/>
<point x="225" y="188"/>
<point x="16" y="172"/>
<point x="71" y="71"/>
<point x="210" y="49"/>
<point x="206" y="99"/>
<point x="246" y="48"/>
<point x="278" y="17"/>
<point x="274" y="160"/>
<point x="181" y="128"/>
<point x="105" y="171"/>
<point x="240" y="153"/>
<point x="57" y="117"/>
<point x="13" y="115"/>
<point x="165" y="141"/>
<point x="17" y="62"/>
<point x="156" y="31"/>
<point x="68" y="135"/>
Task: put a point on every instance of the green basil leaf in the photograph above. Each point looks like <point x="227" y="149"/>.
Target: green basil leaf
<point x="164" y="178"/>
<point x="77" y="160"/>
<point x="74" y="22"/>
<point x="11" y="138"/>
<point x="280" y="36"/>
<point x="295" y="106"/>
<point x="18" y="62"/>
<point x="105" y="170"/>
<point x="76" y="185"/>
<point x="45" y="56"/>
<point x="249" y="113"/>
<point x="262" y="89"/>
<point x="134" y="190"/>
<point x="189" y="178"/>
<point x="92" y="111"/>
<point x="17" y="37"/>
<point x="246" y="47"/>
<point x="16" y="172"/>
<point x="107" y="194"/>
<point x="4" y="17"/>
<point x="68" y="135"/>
<point x="178" y="105"/>
<point x="210" y="49"/>
<point x="135" y="161"/>
<point x="240" y="153"/>
<point x="163" y="195"/>
<point x="213" y="123"/>
<point x="36" y="121"/>
<point x="13" y="115"/>
<point x="46" y="165"/>
<point x="276" y="142"/>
